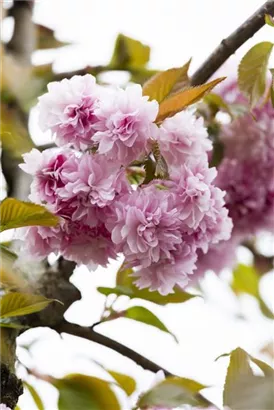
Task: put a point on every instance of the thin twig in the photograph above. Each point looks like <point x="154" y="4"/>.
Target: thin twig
<point x="229" y="45"/>
<point x="90" y="334"/>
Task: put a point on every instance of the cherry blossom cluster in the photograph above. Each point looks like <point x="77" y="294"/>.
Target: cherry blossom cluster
<point x="158" y="226"/>
<point x="246" y="173"/>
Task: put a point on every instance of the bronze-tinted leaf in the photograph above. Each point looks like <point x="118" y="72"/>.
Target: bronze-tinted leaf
<point x="183" y="99"/>
<point x="164" y="83"/>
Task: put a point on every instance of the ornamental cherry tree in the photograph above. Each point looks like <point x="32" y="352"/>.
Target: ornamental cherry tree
<point x="150" y="175"/>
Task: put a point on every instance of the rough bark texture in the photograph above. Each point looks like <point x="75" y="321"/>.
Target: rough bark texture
<point x="11" y="387"/>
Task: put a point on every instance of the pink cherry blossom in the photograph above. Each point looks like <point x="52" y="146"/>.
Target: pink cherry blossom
<point x="93" y="184"/>
<point x="125" y="125"/>
<point x="191" y="184"/>
<point x="67" y="109"/>
<point x="183" y="136"/>
<point x="4" y="407"/>
<point x="47" y="169"/>
<point x="168" y="272"/>
<point x="145" y="226"/>
<point x="249" y="196"/>
<point x="73" y="240"/>
<point x="218" y="257"/>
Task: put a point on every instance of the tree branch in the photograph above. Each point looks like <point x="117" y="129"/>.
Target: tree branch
<point x="229" y="45"/>
<point x="90" y="334"/>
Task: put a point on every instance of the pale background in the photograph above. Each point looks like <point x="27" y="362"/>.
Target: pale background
<point x="176" y="30"/>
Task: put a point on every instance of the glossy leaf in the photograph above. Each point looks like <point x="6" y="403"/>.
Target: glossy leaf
<point x="129" y="52"/>
<point x="81" y="392"/>
<point x="172" y="392"/>
<point x="269" y="20"/>
<point x="21" y="304"/>
<point x="163" y="84"/>
<point x="252" y="72"/>
<point x="36" y="398"/>
<point x="142" y="314"/>
<point x="16" y="214"/>
<point x="183" y="99"/>
<point x="127" y="383"/>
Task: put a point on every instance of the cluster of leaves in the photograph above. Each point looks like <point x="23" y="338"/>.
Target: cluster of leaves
<point x="248" y="384"/>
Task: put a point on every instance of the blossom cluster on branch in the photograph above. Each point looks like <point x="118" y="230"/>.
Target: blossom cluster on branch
<point x="246" y="173"/>
<point x="158" y="226"/>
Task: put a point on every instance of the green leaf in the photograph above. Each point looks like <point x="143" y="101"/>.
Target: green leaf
<point x="36" y="398"/>
<point x="269" y="20"/>
<point x="81" y="392"/>
<point x="217" y="103"/>
<point x="176" y="103"/>
<point x="21" y="304"/>
<point x="142" y="314"/>
<point x="238" y="368"/>
<point x="129" y="53"/>
<point x="133" y="292"/>
<point x="172" y="392"/>
<point x="15" y="214"/>
<point x="252" y="71"/>
<point x="247" y="280"/>
<point x="13" y="133"/>
<point x="127" y="383"/>
<point x="11" y="325"/>
<point x="163" y="84"/>
<point x="265" y="368"/>
<point x="9" y="278"/>
<point x="252" y="392"/>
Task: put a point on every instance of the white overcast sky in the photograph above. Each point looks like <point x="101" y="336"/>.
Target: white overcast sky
<point x="176" y="30"/>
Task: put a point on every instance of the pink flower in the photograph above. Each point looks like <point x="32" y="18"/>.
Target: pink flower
<point x="216" y="225"/>
<point x="4" y="407"/>
<point x="73" y="240"/>
<point x="125" y="125"/>
<point x="218" y="257"/>
<point x="191" y="184"/>
<point x="183" y="136"/>
<point x="47" y="169"/>
<point x="68" y="111"/>
<point x="145" y="226"/>
<point x="249" y="196"/>
<point x="165" y="274"/>
<point x="93" y="184"/>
